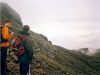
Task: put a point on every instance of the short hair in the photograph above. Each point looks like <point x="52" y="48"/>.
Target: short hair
<point x="26" y="28"/>
<point x="1" y="22"/>
<point x="8" y="21"/>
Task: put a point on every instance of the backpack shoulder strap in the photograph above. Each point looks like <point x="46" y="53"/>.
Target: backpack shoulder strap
<point x="21" y="36"/>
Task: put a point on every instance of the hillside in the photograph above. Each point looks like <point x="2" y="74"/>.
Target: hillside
<point x="49" y="59"/>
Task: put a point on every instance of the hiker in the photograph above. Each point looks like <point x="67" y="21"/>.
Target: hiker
<point x="5" y="36"/>
<point x="25" y="59"/>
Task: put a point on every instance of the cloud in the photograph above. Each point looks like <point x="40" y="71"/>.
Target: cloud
<point x="69" y="23"/>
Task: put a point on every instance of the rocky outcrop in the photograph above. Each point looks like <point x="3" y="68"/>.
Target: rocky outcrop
<point x="6" y="13"/>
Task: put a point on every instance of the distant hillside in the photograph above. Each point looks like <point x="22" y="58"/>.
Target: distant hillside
<point x="6" y="12"/>
<point x="49" y="59"/>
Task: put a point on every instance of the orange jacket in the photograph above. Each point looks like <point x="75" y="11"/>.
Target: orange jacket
<point x="6" y="35"/>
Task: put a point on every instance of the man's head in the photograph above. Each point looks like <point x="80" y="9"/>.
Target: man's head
<point x="8" y="23"/>
<point x="26" y="28"/>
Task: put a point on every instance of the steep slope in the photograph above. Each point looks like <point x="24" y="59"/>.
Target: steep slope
<point x="49" y="59"/>
<point x="12" y="14"/>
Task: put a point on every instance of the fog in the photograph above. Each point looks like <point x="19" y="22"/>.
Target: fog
<point x="72" y="24"/>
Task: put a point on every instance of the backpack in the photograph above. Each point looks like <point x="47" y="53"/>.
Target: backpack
<point x="1" y="36"/>
<point x="17" y="45"/>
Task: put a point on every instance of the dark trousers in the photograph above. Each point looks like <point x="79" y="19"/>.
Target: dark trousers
<point x="24" y="68"/>
<point x="3" y="60"/>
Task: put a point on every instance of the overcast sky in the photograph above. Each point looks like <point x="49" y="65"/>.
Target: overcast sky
<point x="69" y="23"/>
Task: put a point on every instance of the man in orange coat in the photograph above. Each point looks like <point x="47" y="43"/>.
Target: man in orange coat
<point x="5" y="35"/>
